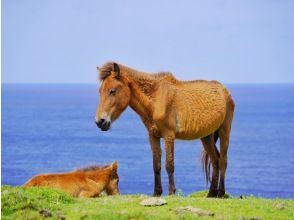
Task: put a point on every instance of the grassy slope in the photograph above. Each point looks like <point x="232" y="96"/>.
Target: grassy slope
<point x="18" y="203"/>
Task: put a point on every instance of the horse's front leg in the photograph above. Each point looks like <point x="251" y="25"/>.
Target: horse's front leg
<point x="156" y="152"/>
<point x="169" y="162"/>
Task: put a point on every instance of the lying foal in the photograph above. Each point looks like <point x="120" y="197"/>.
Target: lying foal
<point x="87" y="182"/>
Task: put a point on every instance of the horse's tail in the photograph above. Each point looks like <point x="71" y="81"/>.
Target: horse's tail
<point x="206" y="163"/>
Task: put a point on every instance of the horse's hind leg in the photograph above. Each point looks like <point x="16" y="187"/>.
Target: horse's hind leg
<point x="211" y="150"/>
<point x="224" y="135"/>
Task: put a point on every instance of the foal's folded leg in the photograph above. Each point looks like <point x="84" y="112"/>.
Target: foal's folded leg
<point x="92" y="189"/>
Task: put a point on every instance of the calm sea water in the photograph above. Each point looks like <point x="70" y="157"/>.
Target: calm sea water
<point x="50" y="128"/>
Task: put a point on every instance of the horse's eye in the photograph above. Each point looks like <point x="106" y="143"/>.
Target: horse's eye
<point x="112" y="91"/>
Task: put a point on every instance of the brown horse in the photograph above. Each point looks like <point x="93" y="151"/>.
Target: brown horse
<point x="171" y="109"/>
<point x="87" y="182"/>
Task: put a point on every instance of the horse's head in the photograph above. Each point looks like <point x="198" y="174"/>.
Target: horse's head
<point x="114" y="95"/>
<point x="112" y="186"/>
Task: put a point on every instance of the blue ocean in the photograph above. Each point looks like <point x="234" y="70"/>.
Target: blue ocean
<point x="50" y="128"/>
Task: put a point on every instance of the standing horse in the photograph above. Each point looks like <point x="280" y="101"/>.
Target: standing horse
<point x="171" y="109"/>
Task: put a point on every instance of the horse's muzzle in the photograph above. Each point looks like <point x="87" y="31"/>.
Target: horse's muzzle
<point x="103" y="124"/>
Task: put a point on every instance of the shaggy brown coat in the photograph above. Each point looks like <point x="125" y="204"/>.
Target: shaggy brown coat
<point x="171" y="109"/>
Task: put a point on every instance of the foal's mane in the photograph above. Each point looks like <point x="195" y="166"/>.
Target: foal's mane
<point x="92" y="168"/>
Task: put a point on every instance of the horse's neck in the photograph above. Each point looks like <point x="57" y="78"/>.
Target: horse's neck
<point x="140" y="103"/>
<point x="140" y="100"/>
<point x="144" y="82"/>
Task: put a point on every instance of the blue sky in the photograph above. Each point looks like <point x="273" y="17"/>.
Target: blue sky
<point x="62" y="41"/>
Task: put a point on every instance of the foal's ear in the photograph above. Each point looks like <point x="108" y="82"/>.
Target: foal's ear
<point x="114" y="166"/>
<point x="116" y="70"/>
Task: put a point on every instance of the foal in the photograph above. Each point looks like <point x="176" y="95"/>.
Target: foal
<point x="87" y="182"/>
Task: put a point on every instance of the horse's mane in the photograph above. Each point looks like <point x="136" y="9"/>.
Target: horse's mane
<point x="107" y="68"/>
<point x="92" y="168"/>
<point x="147" y="82"/>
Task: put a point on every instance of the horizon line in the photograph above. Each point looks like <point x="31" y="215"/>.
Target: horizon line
<point x="98" y="82"/>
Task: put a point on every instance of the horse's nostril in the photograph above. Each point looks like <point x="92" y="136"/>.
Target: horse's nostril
<point x="105" y="126"/>
<point x="100" y="122"/>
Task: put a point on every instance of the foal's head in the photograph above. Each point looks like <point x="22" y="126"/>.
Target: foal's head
<point x="112" y="185"/>
<point x="114" y="95"/>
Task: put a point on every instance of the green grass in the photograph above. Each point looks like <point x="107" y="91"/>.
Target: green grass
<point x="19" y="203"/>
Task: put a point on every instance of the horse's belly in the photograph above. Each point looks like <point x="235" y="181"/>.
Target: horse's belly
<point x="198" y="130"/>
<point x="187" y="136"/>
<point x="198" y="109"/>
<point x="198" y="123"/>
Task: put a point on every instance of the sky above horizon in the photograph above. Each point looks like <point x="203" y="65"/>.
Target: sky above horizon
<point x="62" y="41"/>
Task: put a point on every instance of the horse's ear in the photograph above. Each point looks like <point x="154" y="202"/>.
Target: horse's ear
<point x="97" y="68"/>
<point x="116" y="70"/>
<point x="114" y="166"/>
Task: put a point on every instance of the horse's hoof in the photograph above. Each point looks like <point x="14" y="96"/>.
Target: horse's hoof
<point x="157" y="193"/>
<point x="212" y="194"/>
<point x="172" y="192"/>
<point x="221" y="194"/>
